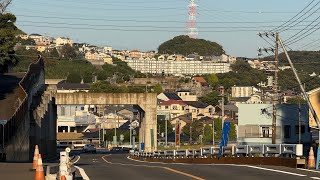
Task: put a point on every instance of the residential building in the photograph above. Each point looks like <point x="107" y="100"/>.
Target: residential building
<point x="23" y="36"/>
<point x="241" y="91"/>
<point x="107" y="49"/>
<point x="314" y="96"/>
<point x="173" y="107"/>
<point x="178" y="68"/>
<point x="199" y="109"/>
<point x="230" y="111"/>
<point x="186" y="95"/>
<point x="108" y="60"/>
<point x="255" y="124"/>
<point x="168" y="96"/>
<point x="135" y="54"/>
<point x="182" y="119"/>
<point x="41" y="47"/>
<point x="64" y="41"/>
<point x="200" y="82"/>
<point x="65" y="87"/>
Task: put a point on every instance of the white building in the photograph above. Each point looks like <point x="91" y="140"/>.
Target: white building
<point x="241" y="91"/>
<point x="179" y="68"/>
<point x="63" y="41"/>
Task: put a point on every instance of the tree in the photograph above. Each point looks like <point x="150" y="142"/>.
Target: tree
<point x="186" y="45"/>
<point x="213" y="80"/>
<point x="161" y="125"/>
<point x="69" y="52"/>
<point x="296" y="100"/>
<point x="158" y="89"/>
<point x="211" y="98"/>
<point x="74" y="78"/>
<point x="7" y="41"/>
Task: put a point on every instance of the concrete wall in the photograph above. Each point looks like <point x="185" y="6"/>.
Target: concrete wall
<point x="147" y="101"/>
<point x="314" y="96"/>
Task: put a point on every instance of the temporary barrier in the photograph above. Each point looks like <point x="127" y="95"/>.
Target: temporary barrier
<point x="197" y="153"/>
<point x="256" y="149"/>
<point x="272" y="149"/>
<point x="242" y="150"/>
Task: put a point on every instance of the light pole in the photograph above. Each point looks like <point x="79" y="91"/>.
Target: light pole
<point x="3" y="123"/>
<point x="213" y="132"/>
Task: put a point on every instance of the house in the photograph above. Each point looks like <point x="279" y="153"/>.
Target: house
<point x="108" y="60"/>
<point x="314" y="96"/>
<point x="255" y="124"/>
<point x="200" y="81"/>
<point x="253" y="99"/>
<point x="199" y="109"/>
<point x="64" y="41"/>
<point x="230" y="111"/>
<point x="161" y="58"/>
<point x="168" y="96"/>
<point x="186" y="95"/>
<point x="182" y="119"/>
<point x="107" y="49"/>
<point x="174" y="108"/>
<point x="135" y="54"/>
<point x="41" y="47"/>
<point x="241" y="91"/>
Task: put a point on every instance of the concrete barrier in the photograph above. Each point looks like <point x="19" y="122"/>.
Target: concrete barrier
<point x="242" y="150"/>
<point x="272" y="149"/>
<point x="256" y="149"/>
<point x="197" y="153"/>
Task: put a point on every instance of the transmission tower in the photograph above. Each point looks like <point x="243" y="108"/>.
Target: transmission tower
<point x="3" y="5"/>
<point x="192" y="21"/>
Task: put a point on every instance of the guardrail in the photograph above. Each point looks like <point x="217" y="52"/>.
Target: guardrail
<point x="264" y="150"/>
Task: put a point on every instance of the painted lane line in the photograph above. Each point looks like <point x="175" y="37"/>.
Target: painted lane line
<point x="76" y="160"/>
<point x="309" y="170"/>
<point x="274" y="170"/>
<point x="236" y="165"/>
<point x="160" y="167"/>
<point x="182" y="173"/>
<point x="83" y="173"/>
<point x="315" y="178"/>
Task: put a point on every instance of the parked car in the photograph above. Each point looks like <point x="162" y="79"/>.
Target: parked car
<point x="89" y="148"/>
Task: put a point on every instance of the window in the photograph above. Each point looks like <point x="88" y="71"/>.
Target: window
<point x="287" y="131"/>
<point x="303" y="129"/>
<point x="210" y="110"/>
<point x="82" y="108"/>
<point x="185" y="93"/>
<point x="265" y="132"/>
<point x="174" y="107"/>
<point x="166" y="107"/>
<point x="63" y="111"/>
<point x="194" y="110"/>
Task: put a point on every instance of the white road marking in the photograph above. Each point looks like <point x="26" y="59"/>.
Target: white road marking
<point x="76" y="160"/>
<point x="274" y="170"/>
<point x="315" y="178"/>
<point x="309" y="170"/>
<point x="238" y="165"/>
<point x="83" y="173"/>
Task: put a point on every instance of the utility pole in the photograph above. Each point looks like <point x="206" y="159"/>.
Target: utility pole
<point x="190" y="132"/>
<point x="166" y="129"/>
<point x="299" y="119"/>
<point x="275" y="90"/>
<point x="213" y="132"/>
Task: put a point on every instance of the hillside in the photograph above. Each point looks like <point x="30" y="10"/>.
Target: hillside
<point x="186" y="45"/>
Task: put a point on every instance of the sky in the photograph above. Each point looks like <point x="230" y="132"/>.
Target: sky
<point x="145" y="24"/>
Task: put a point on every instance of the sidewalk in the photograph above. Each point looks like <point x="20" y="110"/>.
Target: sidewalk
<point x="16" y="171"/>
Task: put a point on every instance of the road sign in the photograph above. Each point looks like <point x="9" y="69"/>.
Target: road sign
<point x="121" y="137"/>
<point x="3" y="122"/>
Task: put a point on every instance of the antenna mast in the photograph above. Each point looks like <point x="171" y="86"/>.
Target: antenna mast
<point x="192" y="21"/>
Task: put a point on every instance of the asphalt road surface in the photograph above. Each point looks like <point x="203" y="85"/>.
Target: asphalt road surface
<point x="118" y="166"/>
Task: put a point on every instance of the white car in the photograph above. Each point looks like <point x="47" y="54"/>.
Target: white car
<point x="89" y="148"/>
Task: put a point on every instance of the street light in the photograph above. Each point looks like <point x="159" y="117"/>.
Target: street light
<point x="3" y="123"/>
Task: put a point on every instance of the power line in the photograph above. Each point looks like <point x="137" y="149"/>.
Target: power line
<point x="278" y="28"/>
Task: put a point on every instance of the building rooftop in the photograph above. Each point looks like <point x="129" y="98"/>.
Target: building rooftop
<point x="172" y="96"/>
<point x="197" y="104"/>
<point x="171" y="101"/>
<point x="199" y="79"/>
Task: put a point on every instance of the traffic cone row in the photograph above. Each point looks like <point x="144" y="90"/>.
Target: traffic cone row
<point x="311" y="160"/>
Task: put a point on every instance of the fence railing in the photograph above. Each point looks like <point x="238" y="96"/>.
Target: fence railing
<point x="264" y="150"/>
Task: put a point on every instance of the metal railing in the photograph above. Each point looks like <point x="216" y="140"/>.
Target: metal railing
<point x="264" y="150"/>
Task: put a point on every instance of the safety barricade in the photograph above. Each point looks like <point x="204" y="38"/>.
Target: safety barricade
<point x="242" y="150"/>
<point x="270" y="149"/>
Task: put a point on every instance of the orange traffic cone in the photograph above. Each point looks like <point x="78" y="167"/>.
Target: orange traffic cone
<point x="311" y="160"/>
<point x="39" y="171"/>
<point x="63" y="177"/>
<point x="35" y="158"/>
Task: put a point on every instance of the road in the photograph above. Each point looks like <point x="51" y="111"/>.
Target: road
<point x="118" y="166"/>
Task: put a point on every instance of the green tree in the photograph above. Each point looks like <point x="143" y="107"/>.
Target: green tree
<point x="158" y="89"/>
<point x="211" y="98"/>
<point x="28" y="41"/>
<point x="186" y="45"/>
<point x="161" y="125"/>
<point x="213" y="80"/>
<point x="69" y="52"/>
<point x="74" y="78"/>
<point x="8" y="32"/>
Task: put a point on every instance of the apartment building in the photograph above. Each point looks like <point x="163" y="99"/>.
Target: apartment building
<point x="64" y="41"/>
<point x="179" y="68"/>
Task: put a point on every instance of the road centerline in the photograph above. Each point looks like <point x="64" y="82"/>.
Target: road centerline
<point x="160" y="167"/>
